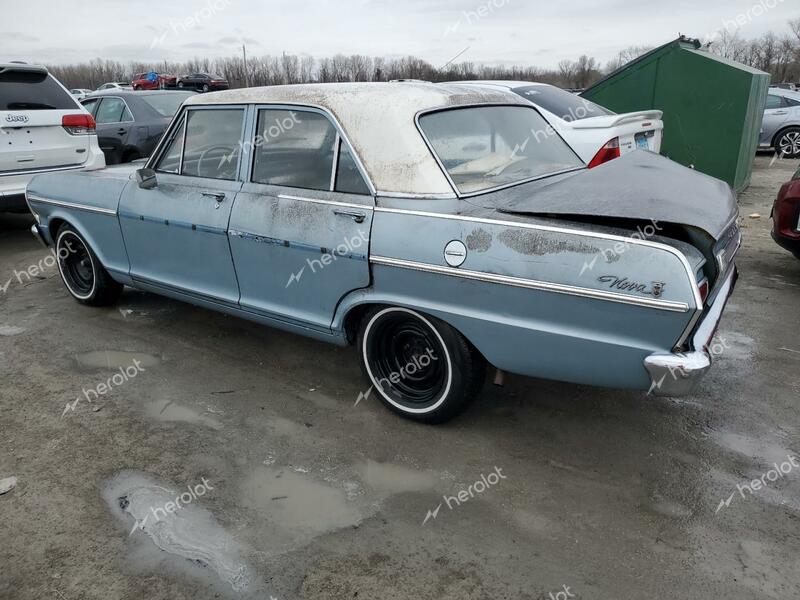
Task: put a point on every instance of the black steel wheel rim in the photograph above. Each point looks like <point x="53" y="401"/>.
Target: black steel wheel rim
<point x="407" y="360"/>
<point x="76" y="264"/>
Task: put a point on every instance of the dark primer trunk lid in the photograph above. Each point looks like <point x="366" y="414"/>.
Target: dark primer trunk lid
<point x="640" y="185"/>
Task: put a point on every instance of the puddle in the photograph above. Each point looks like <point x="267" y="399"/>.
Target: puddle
<point x="114" y="359"/>
<point x="387" y="478"/>
<point x="296" y="503"/>
<point x="191" y="532"/>
<point x="766" y="450"/>
<point x="9" y="330"/>
<point x="168" y="411"/>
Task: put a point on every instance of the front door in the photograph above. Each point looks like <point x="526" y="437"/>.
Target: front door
<point x="300" y="227"/>
<point x="176" y="233"/>
<point x="775" y="115"/>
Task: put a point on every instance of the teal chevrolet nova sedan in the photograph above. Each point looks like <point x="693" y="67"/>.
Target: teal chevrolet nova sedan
<point x="443" y="231"/>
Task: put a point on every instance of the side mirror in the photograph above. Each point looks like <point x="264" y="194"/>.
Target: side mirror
<point x="146" y="178"/>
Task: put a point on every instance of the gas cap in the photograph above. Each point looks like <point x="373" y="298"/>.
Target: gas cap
<point x="455" y="253"/>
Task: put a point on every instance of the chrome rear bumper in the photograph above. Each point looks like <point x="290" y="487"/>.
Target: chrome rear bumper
<point x="677" y="374"/>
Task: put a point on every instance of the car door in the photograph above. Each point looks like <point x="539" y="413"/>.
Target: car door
<point x="775" y="115"/>
<point x="300" y="227"/>
<point x="114" y="122"/>
<point x="176" y="233"/>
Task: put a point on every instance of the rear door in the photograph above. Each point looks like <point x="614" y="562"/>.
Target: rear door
<point x="114" y="123"/>
<point x="32" y="105"/>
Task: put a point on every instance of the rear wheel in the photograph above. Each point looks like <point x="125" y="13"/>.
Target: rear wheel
<point x="85" y="278"/>
<point x="205" y="87"/>
<point x="180" y="84"/>
<point x="787" y="143"/>
<point x="419" y="366"/>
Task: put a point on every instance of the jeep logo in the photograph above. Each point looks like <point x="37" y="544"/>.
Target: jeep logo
<point x="17" y="118"/>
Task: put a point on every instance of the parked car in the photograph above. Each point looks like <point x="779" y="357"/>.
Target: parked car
<point x="80" y="93"/>
<point x="781" y="128"/>
<point x="784" y="86"/>
<point x="142" y="81"/>
<point x="129" y="124"/>
<point x="595" y="133"/>
<point x="42" y="128"/>
<point x="118" y="85"/>
<point x="414" y="221"/>
<point x="203" y="82"/>
<point x="786" y="216"/>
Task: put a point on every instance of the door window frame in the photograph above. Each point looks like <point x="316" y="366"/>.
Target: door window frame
<point x="181" y="120"/>
<point x="341" y="138"/>
<point x="127" y="108"/>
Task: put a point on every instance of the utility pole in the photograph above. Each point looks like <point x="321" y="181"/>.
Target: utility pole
<point x="244" y="58"/>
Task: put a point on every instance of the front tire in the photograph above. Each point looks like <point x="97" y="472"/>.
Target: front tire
<point x="205" y="87"/>
<point x="419" y="366"/>
<point x="83" y="275"/>
<point x="787" y="143"/>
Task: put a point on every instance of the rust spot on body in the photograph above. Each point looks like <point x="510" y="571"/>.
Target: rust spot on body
<point x="533" y="243"/>
<point x="479" y="240"/>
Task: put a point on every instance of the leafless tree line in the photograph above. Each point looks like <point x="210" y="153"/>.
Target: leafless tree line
<point x="780" y="56"/>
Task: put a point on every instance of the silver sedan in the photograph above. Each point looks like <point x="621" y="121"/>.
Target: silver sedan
<point x="781" y="128"/>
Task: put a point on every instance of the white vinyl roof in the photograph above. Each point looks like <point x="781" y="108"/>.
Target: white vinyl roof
<point x="379" y="121"/>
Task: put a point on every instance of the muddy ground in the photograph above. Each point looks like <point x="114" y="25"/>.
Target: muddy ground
<point x="291" y="490"/>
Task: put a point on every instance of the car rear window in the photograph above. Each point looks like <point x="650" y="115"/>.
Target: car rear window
<point x="166" y="104"/>
<point x="488" y="147"/>
<point x="561" y="103"/>
<point x="32" y="90"/>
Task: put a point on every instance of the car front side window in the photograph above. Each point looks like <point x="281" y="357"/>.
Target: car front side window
<point x="213" y="143"/>
<point x="774" y="102"/>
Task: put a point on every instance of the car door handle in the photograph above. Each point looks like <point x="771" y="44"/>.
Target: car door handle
<point x="781" y="112"/>
<point x="121" y="131"/>
<point x="358" y="217"/>
<point x="218" y="196"/>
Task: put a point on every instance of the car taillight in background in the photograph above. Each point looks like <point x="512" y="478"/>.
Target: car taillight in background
<point x="607" y="153"/>
<point x="78" y="124"/>
<point x="703" y="286"/>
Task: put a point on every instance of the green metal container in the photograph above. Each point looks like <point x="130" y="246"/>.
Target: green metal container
<point x="713" y="107"/>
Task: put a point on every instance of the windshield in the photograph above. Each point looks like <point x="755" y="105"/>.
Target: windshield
<point x="561" y="103"/>
<point x="492" y="146"/>
<point x="166" y="104"/>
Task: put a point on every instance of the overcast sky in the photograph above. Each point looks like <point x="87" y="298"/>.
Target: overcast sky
<point x="495" y="31"/>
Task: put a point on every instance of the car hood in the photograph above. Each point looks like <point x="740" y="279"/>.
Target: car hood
<point x="639" y="185"/>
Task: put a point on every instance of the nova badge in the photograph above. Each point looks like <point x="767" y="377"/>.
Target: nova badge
<point x="655" y="289"/>
<point x="17" y="118"/>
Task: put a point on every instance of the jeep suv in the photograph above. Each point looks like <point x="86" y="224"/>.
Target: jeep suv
<point x="42" y="128"/>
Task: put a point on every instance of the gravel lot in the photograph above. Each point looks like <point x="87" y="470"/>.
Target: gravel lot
<point x="585" y="493"/>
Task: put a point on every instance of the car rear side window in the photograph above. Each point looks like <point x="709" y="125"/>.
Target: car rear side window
<point x="294" y="149"/>
<point x="562" y="103"/>
<point x="32" y="90"/>
<point x="213" y="143"/>
<point x="113" y="110"/>
<point x="348" y="177"/>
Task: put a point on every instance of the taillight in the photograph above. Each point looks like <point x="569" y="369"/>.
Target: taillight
<point x="607" y="153"/>
<point x="78" y="124"/>
<point x="703" y="286"/>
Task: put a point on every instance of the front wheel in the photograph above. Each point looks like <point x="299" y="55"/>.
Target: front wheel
<point x="205" y="87"/>
<point x="419" y="366"/>
<point x="85" y="278"/>
<point x="180" y="84"/>
<point x="787" y="143"/>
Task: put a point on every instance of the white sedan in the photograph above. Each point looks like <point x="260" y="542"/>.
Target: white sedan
<point x="595" y="133"/>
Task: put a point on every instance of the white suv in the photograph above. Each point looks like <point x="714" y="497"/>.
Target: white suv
<point x="42" y="128"/>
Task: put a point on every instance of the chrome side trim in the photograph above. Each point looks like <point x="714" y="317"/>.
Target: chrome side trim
<point x="335" y="165"/>
<point x="532" y="284"/>
<point x="42" y="170"/>
<point x="76" y="206"/>
<point x="410" y="196"/>
<point x="329" y="202"/>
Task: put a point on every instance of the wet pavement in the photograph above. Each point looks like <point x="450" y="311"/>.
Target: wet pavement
<point x="115" y="420"/>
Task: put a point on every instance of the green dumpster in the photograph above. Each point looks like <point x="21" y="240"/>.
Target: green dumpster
<point x="713" y="107"/>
